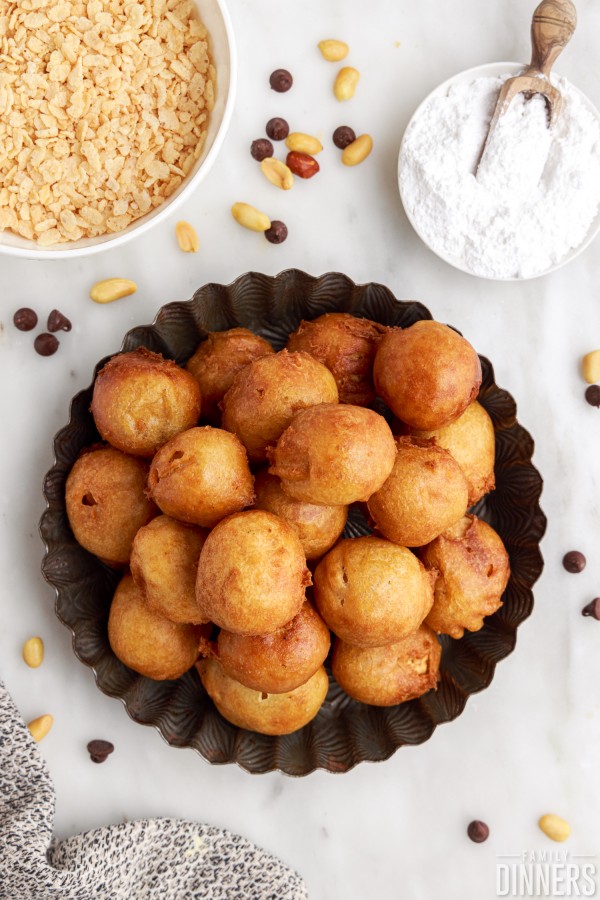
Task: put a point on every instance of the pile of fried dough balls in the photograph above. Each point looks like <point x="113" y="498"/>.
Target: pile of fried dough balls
<point x="219" y="484"/>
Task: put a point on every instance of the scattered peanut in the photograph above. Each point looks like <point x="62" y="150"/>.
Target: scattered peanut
<point x="358" y="150"/>
<point x="33" y="652"/>
<point x="590" y="366"/>
<point x="112" y="289"/>
<point x="554" y="827"/>
<point x="345" y="83"/>
<point x="333" y="51"/>
<point x="187" y="237"/>
<point x="250" y="217"/>
<point x="40" y="727"/>
<point x="303" y="143"/>
<point x="301" y="164"/>
<point x="277" y="173"/>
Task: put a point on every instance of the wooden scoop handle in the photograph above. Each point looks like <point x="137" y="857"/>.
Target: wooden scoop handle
<point x="552" y="27"/>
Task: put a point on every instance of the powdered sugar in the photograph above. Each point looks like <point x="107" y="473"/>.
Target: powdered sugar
<point x="537" y="191"/>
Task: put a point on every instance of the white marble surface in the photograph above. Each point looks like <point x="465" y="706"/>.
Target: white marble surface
<point x="527" y="745"/>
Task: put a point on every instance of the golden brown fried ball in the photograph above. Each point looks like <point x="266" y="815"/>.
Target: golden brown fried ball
<point x="201" y="476"/>
<point x="426" y="493"/>
<point x="474" y="571"/>
<point x="318" y="527"/>
<point x="144" y="640"/>
<point x="277" y="662"/>
<point x="472" y="443"/>
<point x="427" y="374"/>
<point x="164" y="564"/>
<point x="334" y="454"/>
<point x="252" y="573"/>
<point x="347" y="346"/>
<point x="265" y="396"/>
<point x="258" y="710"/>
<point x="106" y="502"/>
<point x="372" y="592"/>
<point x="217" y="361"/>
<point x="141" y="400"/>
<point x="386" y="676"/>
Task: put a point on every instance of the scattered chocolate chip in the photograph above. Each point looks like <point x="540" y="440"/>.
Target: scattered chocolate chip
<point x="478" y="831"/>
<point x="343" y="136"/>
<point x="574" y="561"/>
<point x="25" y="319"/>
<point x="45" y="344"/>
<point x="261" y="149"/>
<point x="592" y="609"/>
<point x="100" y="750"/>
<point x="277" y="129"/>
<point x="277" y="233"/>
<point x="592" y="395"/>
<point x="281" y="80"/>
<point x="58" y="322"/>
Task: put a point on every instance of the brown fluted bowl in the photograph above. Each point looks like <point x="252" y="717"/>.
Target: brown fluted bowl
<point x="345" y="732"/>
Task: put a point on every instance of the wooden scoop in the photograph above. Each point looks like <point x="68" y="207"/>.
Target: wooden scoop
<point x="552" y="27"/>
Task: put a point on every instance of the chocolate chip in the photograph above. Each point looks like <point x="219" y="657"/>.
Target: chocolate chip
<point x="277" y="129"/>
<point x="261" y="149"/>
<point x="100" y="750"/>
<point x="343" y="136"/>
<point x="277" y="233"/>
<point x="45" y="344"/>
<point x="58" y="322"/>
<point x="592" y="609"/>
<point x="592" y="395"/>
<point x="25" y="319"/>
<point x="281" y="80"/>
<point x="574" y="561"/>
<point x="478" y="831"/>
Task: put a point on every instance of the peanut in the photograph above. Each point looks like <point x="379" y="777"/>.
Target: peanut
<point x="187" y="237"/>
<point x="590" y="366"/>
<point x="277" y="173"/>
<point x="302" y="165"/>
<point x="303" y="143"/>
<point x="40" y="727"/>
<point x="345" y="83"/>
<point x="554" y="827"/>
<point x="333" y="51"/>
<point x="112" y="289"/>
<point x="250" y="217"/>
<point x="358" y="150"/>
<point x="33" y="652"/>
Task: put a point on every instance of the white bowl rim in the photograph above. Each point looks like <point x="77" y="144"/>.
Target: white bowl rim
<point x="64" y="251"/>
<point x="491" y="69"/>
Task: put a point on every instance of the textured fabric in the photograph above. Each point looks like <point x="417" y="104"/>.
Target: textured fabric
<point x="163" y="858"/>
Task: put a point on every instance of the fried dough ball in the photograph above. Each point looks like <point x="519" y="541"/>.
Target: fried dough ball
<point x="427" y="374"/>
<point x="201" y="476"/>
<point x="106" y="502"/>
<point x="426" y="493"/>
<point x="372" y="592"/>
<point x="164" y="563"/>
<point x="217" y="361"/>
<point x="386" y="676"/>
<point x="252" y="573"/>
<point x="347" y="346"/>
<point x="318" y="527"/>
<point x="141" y="400"/>
<point x="144" y="640"/>
<point x="277" y="662"/>
<point x="265" y="396"/>
<point x="258" y="710"/>
<point x="334" y="454"/>
<point x="472" y="443"/>
<point x="474" y="571"/>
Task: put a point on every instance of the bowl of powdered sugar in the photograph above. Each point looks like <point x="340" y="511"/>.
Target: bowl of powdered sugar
<point x="534" y="202"/>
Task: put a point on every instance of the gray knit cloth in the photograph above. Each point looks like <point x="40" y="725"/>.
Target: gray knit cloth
<point x="162" y="858"/>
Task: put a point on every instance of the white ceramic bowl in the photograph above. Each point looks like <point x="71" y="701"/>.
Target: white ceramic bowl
<point x="216" y="18"/>
<point x="491" y="70"/>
